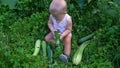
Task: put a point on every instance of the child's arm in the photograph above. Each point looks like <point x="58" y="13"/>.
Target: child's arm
<point x="50" y="25"/>
<point x="68" y="28"/>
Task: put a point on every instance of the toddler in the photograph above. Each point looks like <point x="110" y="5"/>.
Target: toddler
<point x="60" y="21"/>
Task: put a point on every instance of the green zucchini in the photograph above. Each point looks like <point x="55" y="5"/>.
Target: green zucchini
<point x="44" y="48"/>
<point x="85" y="38"/>
<point x="78" y="55"/>
<point x="57" y="37"/>
<point x="50" y="54"/>
<point x="37" y="48"/>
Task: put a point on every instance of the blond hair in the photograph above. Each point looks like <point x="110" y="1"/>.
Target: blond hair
<point x="58" y="5"/>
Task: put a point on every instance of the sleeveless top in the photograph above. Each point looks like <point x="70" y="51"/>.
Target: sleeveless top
<point x="61" y="26"/>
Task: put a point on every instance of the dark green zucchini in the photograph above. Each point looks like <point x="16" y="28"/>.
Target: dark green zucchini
<point x="85" y="38"/>
<point x="50" y="54"/>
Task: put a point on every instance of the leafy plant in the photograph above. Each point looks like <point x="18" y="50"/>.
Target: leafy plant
<point x="26" y="21"/>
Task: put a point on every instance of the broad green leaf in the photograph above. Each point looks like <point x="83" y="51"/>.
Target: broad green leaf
<point x="10" y="3"/>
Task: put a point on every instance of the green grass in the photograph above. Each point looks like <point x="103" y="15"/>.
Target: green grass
<point x="21" y="27"/>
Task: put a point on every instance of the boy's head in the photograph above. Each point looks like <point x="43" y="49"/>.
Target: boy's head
<point x="58" y="7"/>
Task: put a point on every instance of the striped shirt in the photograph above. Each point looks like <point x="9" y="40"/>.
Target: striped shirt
<point x="61" y="27"/>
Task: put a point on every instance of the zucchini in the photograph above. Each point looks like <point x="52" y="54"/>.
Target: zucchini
<point x="37" y="48"/>
<point x="57" y="37"/>
<point x="50" y="54"/>
<point x="78" y="55"/>
<point x="111" y="30"/>
<point x="85" y="38"/>
<point x="44" y="48"/>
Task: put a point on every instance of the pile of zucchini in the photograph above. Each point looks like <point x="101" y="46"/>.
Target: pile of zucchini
<point x="40" y="43"/>
<point x="47" y="48"/>
<point x="83" y="42"/>
<point x="77" y="56"/>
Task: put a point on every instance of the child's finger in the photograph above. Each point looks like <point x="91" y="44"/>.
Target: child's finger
<point x="59" y="33"/>
<point x="60" y="37"/>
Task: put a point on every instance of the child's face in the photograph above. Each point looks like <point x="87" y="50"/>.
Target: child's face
<point x="56" y="12"/>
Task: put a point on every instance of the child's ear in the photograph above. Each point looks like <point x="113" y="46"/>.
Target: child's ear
<point x="65" y="12"/>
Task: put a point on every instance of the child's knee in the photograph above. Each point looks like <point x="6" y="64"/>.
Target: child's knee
<point x="70" y="34"/>
<point x="67" y="40"/>
<point x="46" y="38"/>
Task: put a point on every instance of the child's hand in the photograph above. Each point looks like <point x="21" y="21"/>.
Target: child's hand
<point x="53" y="32"/>
<point x="61" y="36"/>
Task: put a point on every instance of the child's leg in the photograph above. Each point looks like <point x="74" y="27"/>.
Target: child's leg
<point x="67" y="48"/>
<point x="50" y="37"/>
<point x="67" y="44"/>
